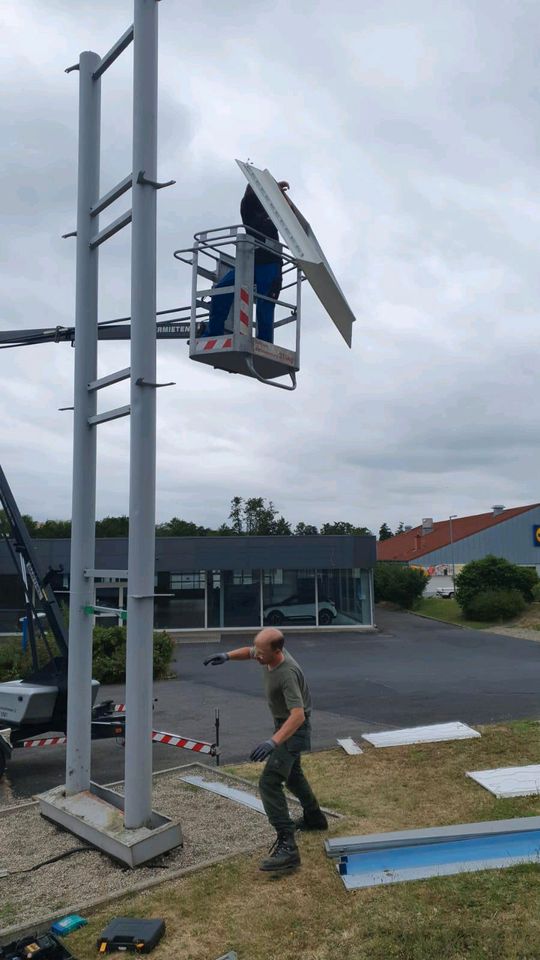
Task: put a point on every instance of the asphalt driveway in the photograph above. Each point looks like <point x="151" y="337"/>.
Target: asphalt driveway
<point x="413" y="671"/>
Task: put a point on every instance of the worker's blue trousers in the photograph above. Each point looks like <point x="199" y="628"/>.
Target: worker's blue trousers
<point x="268" y="281"/>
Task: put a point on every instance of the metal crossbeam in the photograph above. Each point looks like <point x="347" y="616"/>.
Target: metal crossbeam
<point x="114" y="52"/>
<point x="109" y="415"/>
<point x="110" y="379"/>
<point x="106" y="574"/>
<point x="110" y="231"/>
<point x="122" y="187"/>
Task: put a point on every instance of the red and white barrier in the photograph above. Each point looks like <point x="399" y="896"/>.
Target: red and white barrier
<point x="158" y="736"/>
<point x="45" y="742"/>
<point x="199" y="746"/>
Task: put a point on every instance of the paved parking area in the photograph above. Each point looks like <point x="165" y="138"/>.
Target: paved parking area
<point x="413" y="671"/>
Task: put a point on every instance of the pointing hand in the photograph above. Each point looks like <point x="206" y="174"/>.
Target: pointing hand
<point x="217" y="658"/>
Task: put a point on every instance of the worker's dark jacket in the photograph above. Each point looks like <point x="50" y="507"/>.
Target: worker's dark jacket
<point x="254" y="215"/>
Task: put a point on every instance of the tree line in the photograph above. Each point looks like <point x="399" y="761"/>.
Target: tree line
<point x="249" y="516"/>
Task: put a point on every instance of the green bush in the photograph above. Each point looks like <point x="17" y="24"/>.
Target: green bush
<point x="495" y="605"/>
<point x="536" y="592"/>
<point x="399" y="583"/>
<point x="109" y="656"/>
<point x="493" y="573"/>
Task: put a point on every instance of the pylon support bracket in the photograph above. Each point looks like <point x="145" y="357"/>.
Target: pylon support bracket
<point x="141" y="382"/>
<point x="66" y="235"/>
<point x="72" y="68"/>
<point x="154" y="183"/>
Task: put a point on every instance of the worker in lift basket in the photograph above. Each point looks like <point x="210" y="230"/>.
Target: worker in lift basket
<point x="268" y="276"/>
<point x="289" y="700"/>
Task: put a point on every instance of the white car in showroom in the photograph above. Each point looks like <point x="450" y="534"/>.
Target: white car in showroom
<point x="292" y="608"/>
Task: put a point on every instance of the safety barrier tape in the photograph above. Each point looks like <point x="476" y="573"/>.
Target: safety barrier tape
<point x="45" y="742"/>
<point x="158" y="736"/>
<point x="199" y="746"/>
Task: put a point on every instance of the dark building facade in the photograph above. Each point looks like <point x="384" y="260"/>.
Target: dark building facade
<point x="222" y="583"/>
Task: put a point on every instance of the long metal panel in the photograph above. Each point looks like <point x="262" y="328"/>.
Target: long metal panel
<point x="303" y="244"/>
<point x="341" y="846"/>
<point x="510" y="781"/>
<point x="434" y="733"/>
<point x="230" y="793"/>
<point x="436" y="860"/>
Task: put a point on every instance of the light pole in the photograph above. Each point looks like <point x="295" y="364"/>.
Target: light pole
<point x="452" y="517"/>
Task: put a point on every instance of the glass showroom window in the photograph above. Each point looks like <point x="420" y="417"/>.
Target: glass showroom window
<point x="344" y="597"/>
<point x="186" y="607"/>
<point x="234" y="598"/>
<point x="289" y="597"/>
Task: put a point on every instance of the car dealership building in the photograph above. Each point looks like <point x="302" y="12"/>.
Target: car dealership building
<point x="221" y="583"/>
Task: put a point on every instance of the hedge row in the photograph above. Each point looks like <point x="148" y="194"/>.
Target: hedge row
<point x="108" y="658"/>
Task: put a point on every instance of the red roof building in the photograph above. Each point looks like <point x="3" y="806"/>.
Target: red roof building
<point x="510" y="533"/>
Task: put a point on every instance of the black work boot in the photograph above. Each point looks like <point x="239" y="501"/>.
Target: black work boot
<point x="312" y="820"/>
<point x="283" y="854"/>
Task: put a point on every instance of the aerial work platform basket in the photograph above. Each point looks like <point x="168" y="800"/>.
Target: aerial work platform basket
<point x="240" y="349"/>
<point x="242" y="346"/>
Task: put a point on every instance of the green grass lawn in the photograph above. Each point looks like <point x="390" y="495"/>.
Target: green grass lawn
<point x="489" y="915"/>
<point x="448" y="610"/>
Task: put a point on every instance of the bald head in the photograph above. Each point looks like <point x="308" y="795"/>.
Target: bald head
<point x="268" y="646"/>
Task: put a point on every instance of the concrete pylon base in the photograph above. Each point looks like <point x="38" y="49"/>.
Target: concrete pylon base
<point x="97" y="816"/>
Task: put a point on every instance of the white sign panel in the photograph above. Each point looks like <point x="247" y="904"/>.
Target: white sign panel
<point x="510" y="781"/>
<point x="435" y="733"/>
<point x="304" y="246"/>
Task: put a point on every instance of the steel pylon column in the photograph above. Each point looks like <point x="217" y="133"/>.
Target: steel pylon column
<point x="79" y="705"/>
<point x="142" y="483"/>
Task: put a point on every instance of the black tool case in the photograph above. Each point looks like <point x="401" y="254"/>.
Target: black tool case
<point x="130" y="933"/>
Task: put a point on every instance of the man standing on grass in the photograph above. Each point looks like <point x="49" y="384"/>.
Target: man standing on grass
<point x="289" y="700"/>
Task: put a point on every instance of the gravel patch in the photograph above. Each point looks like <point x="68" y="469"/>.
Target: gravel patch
<point x="212" y="826"/>
<point x="521" y="633"/>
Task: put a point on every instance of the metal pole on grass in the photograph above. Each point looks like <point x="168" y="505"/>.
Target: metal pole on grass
<point x="83" y="515"/>
<point x="142" y="477"/>
<point x="452" y="517"/>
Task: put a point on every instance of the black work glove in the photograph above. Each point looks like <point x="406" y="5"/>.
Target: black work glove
<point x="262" y="750"/>
<point x="217" y="658"/>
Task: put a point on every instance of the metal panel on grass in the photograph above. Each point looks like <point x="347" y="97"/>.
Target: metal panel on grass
<point x="510" y="781"/>
<point x="434" y="733"/>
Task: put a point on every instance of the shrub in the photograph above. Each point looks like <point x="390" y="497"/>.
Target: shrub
<point x="495" y="605"/>
<point x="399" y="583"/>
<point x="536" y="592"/>
<point x="493" y="573"/>
<point x="109" y="656"/>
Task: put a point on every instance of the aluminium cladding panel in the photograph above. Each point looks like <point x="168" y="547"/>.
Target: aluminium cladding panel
<point x="175" y="554"/>
<point x="266" y="553"/>
<point x="304" y="246"/>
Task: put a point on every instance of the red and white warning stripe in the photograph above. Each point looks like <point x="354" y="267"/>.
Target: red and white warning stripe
<point x="219" y="343"/>
<point x="119" y="708"/>
<point x="199" y="746"/>
<point x="45" y="742"/>
<point x="244" y="297"/>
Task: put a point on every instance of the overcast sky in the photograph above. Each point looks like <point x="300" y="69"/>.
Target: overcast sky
<point x="409" y="135"/>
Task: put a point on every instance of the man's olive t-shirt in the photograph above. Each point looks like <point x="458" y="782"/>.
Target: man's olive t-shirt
<point x="286" y="687"/>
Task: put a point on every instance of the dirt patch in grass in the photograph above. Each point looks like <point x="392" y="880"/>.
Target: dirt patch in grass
<point x="491" y="915"/>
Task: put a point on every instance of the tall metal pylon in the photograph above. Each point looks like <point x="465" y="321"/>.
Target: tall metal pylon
<point x="142" y="411"/>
